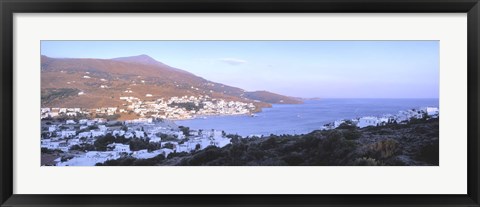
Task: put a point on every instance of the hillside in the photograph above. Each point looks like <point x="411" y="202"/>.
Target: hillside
<point x="412" y="144"/>
<point x="91" y="83"/>
<point x="270" y="97"/>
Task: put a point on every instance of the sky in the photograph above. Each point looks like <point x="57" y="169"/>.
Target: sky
<point x="307" y="69"/>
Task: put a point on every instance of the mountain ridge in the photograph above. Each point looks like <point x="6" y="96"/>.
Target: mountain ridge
<point x="103" y="81"/>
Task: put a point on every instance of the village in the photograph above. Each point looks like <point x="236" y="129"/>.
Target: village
<point x="83" y="137"/>
<point x="401" y="117"/>
<point x="72" y="136"/>
<point x="68" y="128"/>
<point x="175" y="108"/>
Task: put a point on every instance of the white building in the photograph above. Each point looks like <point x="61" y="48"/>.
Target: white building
<point x="68" y="133"/>
<point x="72" y="142"/>
<point x="84" y="134"/>
<point x="139" y="134"/>
<point x="431" y="111"/>
<point x="155" y="139"/>
<point x="144" y="154"/>
<point x="47" y="143"/>
<point x="367" y="121"/>
<point x="102" y="127"/>
<point x="52" y="128"/>
<point x="70" y="122"/>
<point x="128" y="135"/>
<point x="338" y="123"/>
<point x="121" y="147"/>
<point x="221" y="141"/>
<point x="97" y="133"/>
<point x="90" y="159"/>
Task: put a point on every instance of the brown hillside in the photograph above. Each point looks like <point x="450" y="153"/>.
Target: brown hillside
<point x="104" y="81"/>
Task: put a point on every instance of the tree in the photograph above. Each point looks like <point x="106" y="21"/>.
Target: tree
<point x="138" y="144"/>
<point x="102" y="142"/>
<point x="185" y="130"/>
<point x="169" y="146"/>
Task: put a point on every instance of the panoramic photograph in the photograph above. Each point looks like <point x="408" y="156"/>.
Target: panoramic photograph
<point x="239" y="103"/>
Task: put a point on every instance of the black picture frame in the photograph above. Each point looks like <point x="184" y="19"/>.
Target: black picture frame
<point x="10" y="7"/>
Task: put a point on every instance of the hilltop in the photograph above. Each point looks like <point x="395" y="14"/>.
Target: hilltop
<point x="93" y="83"/>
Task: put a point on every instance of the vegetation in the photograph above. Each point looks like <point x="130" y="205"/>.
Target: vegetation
<point x="108" y="117"/>
<point x="395" y="144"/>
<point x="52" y="94"/>
<point x="185" y="130"/>
<point x="83" y="147"/>
<point x="50" y="151"/>
<point x="130" y="161"/>
<point x="187" y="105"/>
<point x="136" y="144"/>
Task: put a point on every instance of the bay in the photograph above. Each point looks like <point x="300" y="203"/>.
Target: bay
<point x="303" y="118"/>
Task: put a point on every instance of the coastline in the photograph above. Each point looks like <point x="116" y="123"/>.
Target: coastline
<point x="289" y="119"/>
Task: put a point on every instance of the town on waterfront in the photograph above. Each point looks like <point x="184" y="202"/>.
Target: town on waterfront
<point x="135" y="111"/>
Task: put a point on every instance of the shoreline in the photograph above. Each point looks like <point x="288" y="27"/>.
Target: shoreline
<point x="379" y="119"/>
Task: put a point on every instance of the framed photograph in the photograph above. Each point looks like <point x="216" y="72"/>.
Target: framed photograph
<point x="239" y="103"/>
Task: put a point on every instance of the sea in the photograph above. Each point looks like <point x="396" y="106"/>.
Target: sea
<point x="303" y="118"/>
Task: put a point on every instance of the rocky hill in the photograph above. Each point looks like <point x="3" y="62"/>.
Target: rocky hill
<point x="91" y="83"/>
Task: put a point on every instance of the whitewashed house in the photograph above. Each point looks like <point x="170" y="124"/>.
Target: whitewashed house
<point x="431" y="111"/>
<point x="155" y="139"/>
<point x="70" y="122"/>
<point x="367" y="121"/>
<point x="102" y="128"/>
<point x="97" y="133"/>
<point x="221" y="141"/>
<point x="144" y="154"/>
<point x="44" y="110"/>
<point x="180" y="135"/>
<point x="72" y="114"/>
<point x="91" y="158"/>
<point x="90" y="122"/>
<point x="84" y="134"/>
<point x="52" y="128"/>
<point x="118" y="147"/>
<point x="68" y="133"/>
<point x="128" y="135"/>
<point x="139" y="134"/>
<point x="338" y="123"/>
<point x="72" y="142"/>
<point x="47" y="143"/>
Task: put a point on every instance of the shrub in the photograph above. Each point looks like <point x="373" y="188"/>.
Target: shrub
<point x="366" y="161"/>
<point x="384" y="149"/>
<point x="351" y="134"/>
<point x="429" y="154"/>
<point x="293" y="159"/>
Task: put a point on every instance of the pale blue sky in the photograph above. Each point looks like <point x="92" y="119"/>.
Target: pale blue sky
<point x="325" y="69"/>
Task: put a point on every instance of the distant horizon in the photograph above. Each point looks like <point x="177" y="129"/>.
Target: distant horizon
<point x="330" y="69"/>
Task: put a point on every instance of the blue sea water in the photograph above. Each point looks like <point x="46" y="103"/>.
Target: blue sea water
<point x="304" y="118"/>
